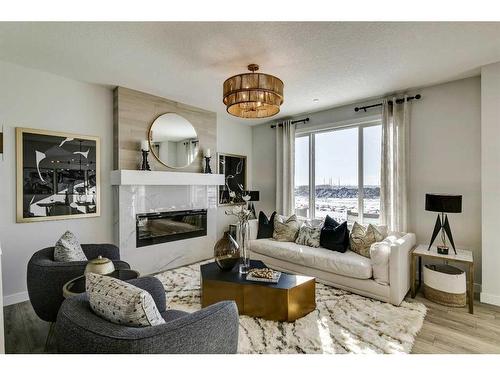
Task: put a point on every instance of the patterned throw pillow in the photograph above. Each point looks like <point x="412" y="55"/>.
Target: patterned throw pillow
<point x="68" y="249"/>
<point x="308" y="235"/>
<point x="286" y="230"/>
<point x="361" y="239"/>
<point x="121" y="302"/>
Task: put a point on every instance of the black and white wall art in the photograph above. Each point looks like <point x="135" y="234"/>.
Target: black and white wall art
<point x="234" y="168"/>
<point x="58" y="175"/>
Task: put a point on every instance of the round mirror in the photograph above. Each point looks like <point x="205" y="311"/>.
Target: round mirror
<point x="173" y="140"/>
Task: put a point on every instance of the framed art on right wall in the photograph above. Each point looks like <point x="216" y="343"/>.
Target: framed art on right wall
<point x="234" y="169"/>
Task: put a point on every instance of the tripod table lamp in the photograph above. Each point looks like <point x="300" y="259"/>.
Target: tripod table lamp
<point x="443" y="203"/>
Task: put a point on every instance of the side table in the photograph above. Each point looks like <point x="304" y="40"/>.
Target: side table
<point x="462" y="256"/>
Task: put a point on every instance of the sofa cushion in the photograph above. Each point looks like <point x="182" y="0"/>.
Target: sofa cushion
<point x="308" y="235"/>
<point x="362" y="238"/>
<point x="121" y="302"/>
<point x="286" y="229"/>
<point x="266" y="226"/>
<point x="68" y="249"/>
<point x="347" y="264"/>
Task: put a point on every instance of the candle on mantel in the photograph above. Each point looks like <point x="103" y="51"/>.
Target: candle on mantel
<point x="145" y="145"/>
<point x="207" y="153"/>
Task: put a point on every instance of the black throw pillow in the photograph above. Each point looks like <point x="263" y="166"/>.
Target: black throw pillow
<point x="334" y="236"/>
<point x="330" y="222"/>
<point x="266" y="226"/>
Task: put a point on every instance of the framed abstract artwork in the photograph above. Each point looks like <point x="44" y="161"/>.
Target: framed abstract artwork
<point x="234" y="169"/>
<point x="58" y="175"/>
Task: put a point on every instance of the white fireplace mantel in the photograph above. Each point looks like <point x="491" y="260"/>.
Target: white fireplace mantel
<point x="131" y="177"/>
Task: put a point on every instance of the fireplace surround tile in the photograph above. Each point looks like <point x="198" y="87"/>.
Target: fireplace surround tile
<point x="141" y="199"/>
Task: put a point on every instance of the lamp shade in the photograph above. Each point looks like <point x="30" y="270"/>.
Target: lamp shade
<point x="443" y="203"/>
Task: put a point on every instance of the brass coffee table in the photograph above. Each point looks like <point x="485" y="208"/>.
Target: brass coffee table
<point x="293" y="297"/>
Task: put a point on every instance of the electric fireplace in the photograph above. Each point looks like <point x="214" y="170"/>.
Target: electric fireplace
<point x="158" y="227"/>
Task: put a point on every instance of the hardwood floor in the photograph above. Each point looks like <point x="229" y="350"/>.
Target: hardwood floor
<point x="453" y="330"/>
<point x="445" y="330"/>
<point x="24" y="332"/>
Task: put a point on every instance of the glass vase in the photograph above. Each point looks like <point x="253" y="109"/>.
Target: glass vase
<point x="243" y="235"/>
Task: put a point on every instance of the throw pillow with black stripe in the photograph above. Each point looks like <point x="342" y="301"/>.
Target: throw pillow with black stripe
<point x="266" y="226"/>
<point x="334" y="236"/>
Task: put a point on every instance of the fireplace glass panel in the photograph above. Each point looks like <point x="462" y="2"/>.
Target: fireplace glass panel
<point x="159" y="227"/>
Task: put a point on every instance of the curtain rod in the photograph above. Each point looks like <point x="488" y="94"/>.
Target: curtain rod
<point x="304" y="120"/>
<point x="400" y="100"/>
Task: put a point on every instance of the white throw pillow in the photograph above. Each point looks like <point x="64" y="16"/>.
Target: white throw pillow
<point x="68" y="249"/>
<point x="380" y="253"/>
<point x="121" y="302"/>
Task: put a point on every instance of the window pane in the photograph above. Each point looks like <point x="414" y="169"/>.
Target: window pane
<point x="336" y="174"/>
<point x="302" y="176"/>
<point x="371" y="173"/>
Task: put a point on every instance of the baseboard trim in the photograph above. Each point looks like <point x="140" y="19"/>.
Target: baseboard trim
<point x="491" y="299"/>
<point x="12" y="299"/>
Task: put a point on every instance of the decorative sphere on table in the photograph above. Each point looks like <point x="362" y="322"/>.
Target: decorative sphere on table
<point x="226" y="252"/>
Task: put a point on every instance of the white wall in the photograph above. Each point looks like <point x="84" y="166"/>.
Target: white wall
<point x="444" y="157"/>
<point x="232" y="138"/>
<point x="35" y="99"/>
<point x="490" y="174"/>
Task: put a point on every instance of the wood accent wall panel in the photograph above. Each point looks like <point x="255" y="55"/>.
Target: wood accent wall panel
<point x="135" y="111"/>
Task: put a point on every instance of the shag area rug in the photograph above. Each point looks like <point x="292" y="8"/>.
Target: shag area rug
<point x="343" y="322"/>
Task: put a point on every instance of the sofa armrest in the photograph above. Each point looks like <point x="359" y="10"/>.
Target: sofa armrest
<point x="399" y="267"/>
<point x="254" y="228"/>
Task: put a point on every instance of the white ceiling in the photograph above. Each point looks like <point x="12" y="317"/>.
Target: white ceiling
<point x="335" y="62"/>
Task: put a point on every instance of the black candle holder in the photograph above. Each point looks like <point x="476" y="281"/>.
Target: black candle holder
<point x="207" y="165"/>
<point x="145" y="164"/>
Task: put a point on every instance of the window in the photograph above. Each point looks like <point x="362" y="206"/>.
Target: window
<point x="336" y="174"/>
<point x="343" y="166"/>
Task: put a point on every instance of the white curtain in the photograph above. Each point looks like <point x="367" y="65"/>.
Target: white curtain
<point x="285" y="168"/>
<point x="395" y="164"/>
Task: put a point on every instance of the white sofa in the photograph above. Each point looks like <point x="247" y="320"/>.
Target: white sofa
<point x="349" y="270"/>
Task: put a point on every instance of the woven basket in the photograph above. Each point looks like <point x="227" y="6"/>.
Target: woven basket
<point x="444" y="298"/>
<point x="445" y="285"/>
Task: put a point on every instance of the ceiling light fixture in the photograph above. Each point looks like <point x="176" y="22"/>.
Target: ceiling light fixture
<point x="253" y="95"/>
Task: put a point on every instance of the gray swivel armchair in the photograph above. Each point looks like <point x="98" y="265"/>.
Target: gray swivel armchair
<point x="46" y="277"/>
<point x="213" y="329"/>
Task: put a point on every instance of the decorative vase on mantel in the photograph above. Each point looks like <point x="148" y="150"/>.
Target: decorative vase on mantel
<point x="226" y="252"/>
